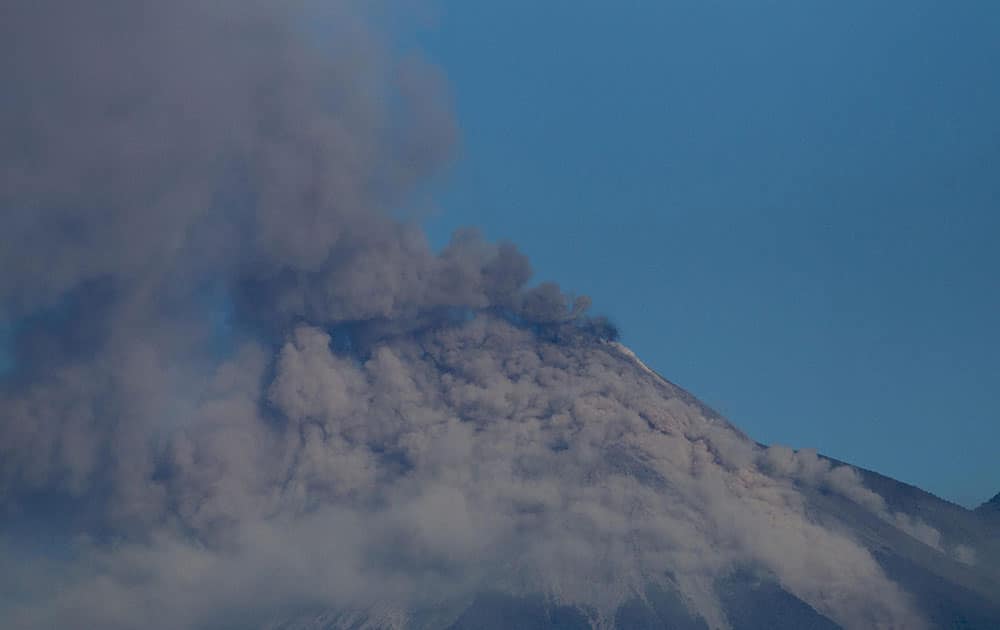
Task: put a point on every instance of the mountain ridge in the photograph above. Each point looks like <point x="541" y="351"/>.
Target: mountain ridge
<point x="991" y="504"/>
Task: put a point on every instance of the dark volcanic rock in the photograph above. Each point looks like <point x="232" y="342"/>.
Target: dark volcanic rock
<point x="497" y="611"/>
<point x="753" y="603"/>
<point x="990" y="507"/>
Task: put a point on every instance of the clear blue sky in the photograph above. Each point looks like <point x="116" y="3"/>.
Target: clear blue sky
<point x="791" y="208"/>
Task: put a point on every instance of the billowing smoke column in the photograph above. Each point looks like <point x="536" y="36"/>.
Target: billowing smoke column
<point x="164" y="160"/>
<point x="237" y="388"/>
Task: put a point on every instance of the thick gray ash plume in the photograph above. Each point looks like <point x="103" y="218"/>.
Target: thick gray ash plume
<point x="163" y="153"/>
<point x="240" y="386"/>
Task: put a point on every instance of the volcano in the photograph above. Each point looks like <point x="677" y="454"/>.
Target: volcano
<point x="240" y="389"/>
<point x="487" y="474"/>
<point x="483" y="473"/>
<point x="567" y="485"/>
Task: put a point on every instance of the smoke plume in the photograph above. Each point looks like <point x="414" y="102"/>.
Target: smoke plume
<point x="240" y="385"/>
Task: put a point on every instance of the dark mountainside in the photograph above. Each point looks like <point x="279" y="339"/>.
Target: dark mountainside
<point x="239" y="390"/>
<point x="991" y="506"/>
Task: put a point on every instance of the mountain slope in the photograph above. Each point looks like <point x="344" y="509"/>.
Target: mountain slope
<point x="990" y="507"/>
<point x="484" y="471"/>
<point x="934" y="556"/>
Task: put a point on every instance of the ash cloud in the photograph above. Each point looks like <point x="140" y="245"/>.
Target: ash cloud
<point x="471" y="431"/>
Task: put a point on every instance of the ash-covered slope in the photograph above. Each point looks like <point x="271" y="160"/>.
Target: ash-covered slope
<point x="660" y="514"/>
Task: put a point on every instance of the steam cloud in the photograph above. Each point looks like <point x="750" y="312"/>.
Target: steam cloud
<point x="239" y="387"/>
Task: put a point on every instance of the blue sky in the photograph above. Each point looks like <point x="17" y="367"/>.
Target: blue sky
<point x="790" y="208"/>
